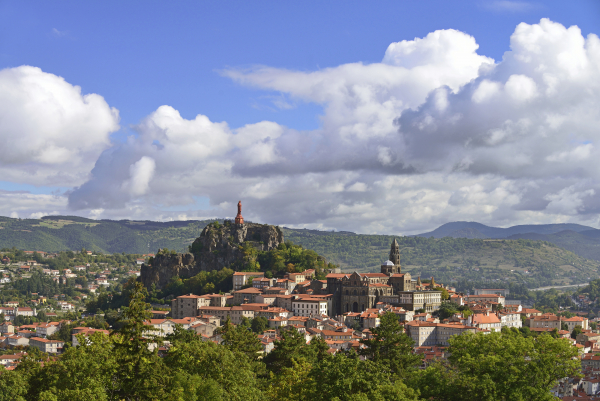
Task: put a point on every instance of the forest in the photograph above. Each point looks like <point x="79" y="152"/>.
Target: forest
<point x="499" y="366"/>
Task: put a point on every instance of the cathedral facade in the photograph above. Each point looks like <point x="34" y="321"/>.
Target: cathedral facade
<point x="357" y="292"/>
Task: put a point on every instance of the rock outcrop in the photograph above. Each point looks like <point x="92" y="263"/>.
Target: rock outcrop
<point x="218" y="246"/>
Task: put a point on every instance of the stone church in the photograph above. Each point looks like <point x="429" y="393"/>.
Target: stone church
<point x="357" y="292"/>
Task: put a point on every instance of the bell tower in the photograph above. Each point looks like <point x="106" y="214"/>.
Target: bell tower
<point x="395" y="256"/>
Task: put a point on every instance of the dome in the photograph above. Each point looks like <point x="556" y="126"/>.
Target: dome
<point x="388" y="263"/>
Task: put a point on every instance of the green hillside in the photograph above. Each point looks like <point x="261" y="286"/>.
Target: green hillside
<point x="487" y="261"/>
<point x="58" y="233"/>
<point x="490" y="261"/>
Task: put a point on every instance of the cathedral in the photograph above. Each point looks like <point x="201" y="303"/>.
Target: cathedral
<point x="357" y="292"/>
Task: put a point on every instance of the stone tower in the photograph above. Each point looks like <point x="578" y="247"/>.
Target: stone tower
<point x="395" y="253"/>
<point x="393" y="265"/>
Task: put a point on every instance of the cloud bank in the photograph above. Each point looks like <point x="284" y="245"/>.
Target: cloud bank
<point x="435" y="132"/>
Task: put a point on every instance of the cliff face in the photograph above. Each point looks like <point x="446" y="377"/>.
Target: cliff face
<point x="214" y="249"/>
<point x="166" y="266"/>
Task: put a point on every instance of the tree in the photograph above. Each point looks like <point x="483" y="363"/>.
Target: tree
<point x="211" y="372"/>
<point x="141" y="372"/>
<point x="391" y="346"/>
<point x="83" y="373"/>
<point x="240" y="339"/>
<point x="447" y="309"/>
<point x="41" y="316"/>
<point x="576" y="331"/>
<point x="259" y="324"/>
<point x="345" y="377"/>
<point x="181" y="335"/>
<point x="445" y="295"/>
<point x="13" y="385"/>
<point x="499" y="366"/>
<point x="292" y="347"/>
<point x="245" y="322"/>
<point x="291" y="384"/>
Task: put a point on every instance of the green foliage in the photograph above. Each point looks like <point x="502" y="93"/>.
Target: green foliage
<point x="142" y="371"/>
<point x="292" y="347"/>
<point x="202" y="283"/>
<point x="499" y="366"/>
<point x="276" y="261"/>
<point x="445" y="295"/>
<point x="83" y="373"/>
<point x="13" y="386"/>
<point x="576" y="331"/>
<point x="592" y="291"/>
<point x="259" y="324"/>
<point x="467" y="263"/>
<point x="447" y="309"/>
<point x="551" y="300"/>
<point x="241" y="339"/>
<point x="345" y="377"/>
<point x="58" y="233"/>
<point x="391" y="347"/>
<point x="212" y="372"/>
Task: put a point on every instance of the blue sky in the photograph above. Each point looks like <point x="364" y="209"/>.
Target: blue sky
<point x="142" y="55"/>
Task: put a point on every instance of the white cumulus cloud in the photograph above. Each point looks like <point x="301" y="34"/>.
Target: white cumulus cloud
<point x="51" y="133"/>
<point x="435" y="132"/>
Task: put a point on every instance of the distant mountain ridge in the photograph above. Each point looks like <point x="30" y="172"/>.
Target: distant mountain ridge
<point x="469" y="229"/>
<point x="579" y="239"/>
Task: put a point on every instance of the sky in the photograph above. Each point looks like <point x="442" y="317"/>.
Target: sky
<point x="389" y="117"/>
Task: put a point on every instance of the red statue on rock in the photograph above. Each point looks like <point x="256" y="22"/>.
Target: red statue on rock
<point x="239" y="219"/>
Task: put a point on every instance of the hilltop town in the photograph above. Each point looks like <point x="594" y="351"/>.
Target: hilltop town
<point x="54" y="302"/>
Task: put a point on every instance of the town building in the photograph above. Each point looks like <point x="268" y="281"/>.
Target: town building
<point x="547" y="321"/>
<point x="498" y="291"/>
<point x="188" y="305"/>
<point x="241" y="279"/>
<point x="426" y="333"/>
<point x="358" y="292"/>
<point x="47" y="346"/>
<point x="486" y="321"/>
<point x="576" y="321"/>
<point x="309" y="307"/>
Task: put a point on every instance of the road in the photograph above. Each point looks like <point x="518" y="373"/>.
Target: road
<point x="559" y="286"/>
